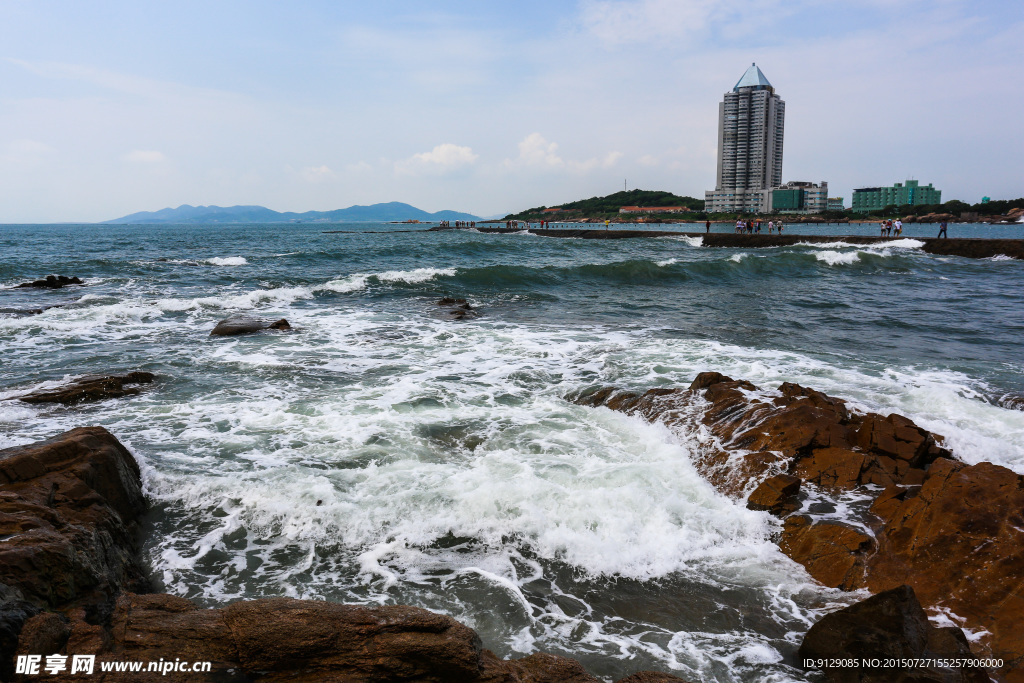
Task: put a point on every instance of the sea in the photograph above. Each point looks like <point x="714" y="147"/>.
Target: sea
<point x="385" y="452"/>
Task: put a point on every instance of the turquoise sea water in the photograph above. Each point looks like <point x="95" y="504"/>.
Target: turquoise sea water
<point x="385" y="453"/>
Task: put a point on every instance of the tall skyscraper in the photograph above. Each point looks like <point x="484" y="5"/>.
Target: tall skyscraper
<point x="751" y="120"/>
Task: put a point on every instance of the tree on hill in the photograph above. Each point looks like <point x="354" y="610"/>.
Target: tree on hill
<point x="601" y="206"/>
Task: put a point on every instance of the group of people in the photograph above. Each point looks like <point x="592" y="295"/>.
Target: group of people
<point x="891" y="228"/>
<point x="458" y="224"/>
<point x="753" y="226"/>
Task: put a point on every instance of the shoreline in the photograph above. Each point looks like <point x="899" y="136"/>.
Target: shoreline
<point x="970" y="247"/>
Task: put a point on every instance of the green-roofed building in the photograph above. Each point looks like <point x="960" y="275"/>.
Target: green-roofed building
<point x="901" y="194"/>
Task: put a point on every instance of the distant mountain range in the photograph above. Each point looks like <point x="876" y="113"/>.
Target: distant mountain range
<point x="390" y="211"/>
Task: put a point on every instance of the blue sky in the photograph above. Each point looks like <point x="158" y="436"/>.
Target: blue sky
<point x="112" y="107"/>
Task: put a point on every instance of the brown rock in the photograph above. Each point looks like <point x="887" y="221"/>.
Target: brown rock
<point x="833" y="553"/>
<point x="958" y="543"/>
<point x="651" y="677"/>
<point x="890" y="625"/>
<point x="92" y="388"/>
<point x="69" y="510"/>
<point x="44" y="634"/>
<point x="775" y="494"/>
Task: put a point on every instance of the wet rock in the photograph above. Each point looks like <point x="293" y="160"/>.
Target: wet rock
<point x="957" y="540"/>
<point x="651" y="677"/>
<point x="92" y="388"/>
<point x="950" y="531"/>
<point x="890" y="625"/>
<point x="833" y="553"/>
<point x="1012" y="401"/>
<point x="52" y="282"/>
<point x="776" y="494"/>
<point x="69" y="510"/>
<point x="243" y="324"/>
<point x="799" y="431"/>
<point x="452" y="301"/>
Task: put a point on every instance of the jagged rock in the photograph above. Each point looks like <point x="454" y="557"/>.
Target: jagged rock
<point x="801" y="432"/>
<point x="957" y="540"/>
<point x="776" y="494"/>
<point x="52" y="282"/>
<point x="832" y="552"/>
<point x="892" y="625"/>
<point x="92" y="388"/>
<point x="243" y="324"/>
<point x="951" y="531"/>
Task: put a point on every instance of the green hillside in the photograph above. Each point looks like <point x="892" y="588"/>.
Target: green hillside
<point x="606" y="207"/>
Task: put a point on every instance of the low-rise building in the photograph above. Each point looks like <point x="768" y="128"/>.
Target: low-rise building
<point x="653" y="209"/>
<point x="798" y="197"/>
<point x="900" y="194"/>
<point x="835" y="204"/>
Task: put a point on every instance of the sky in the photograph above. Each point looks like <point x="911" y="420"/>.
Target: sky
<point x="107" y="108"/>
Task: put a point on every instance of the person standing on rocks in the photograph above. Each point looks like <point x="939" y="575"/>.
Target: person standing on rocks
<point x="707" y="226"/>
<point x="942" y="230"/>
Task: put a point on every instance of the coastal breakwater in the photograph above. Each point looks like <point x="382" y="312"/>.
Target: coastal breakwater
<point x="967" y="247"/>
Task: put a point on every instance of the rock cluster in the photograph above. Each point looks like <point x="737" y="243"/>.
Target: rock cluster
<point x="949" y="530"/>
<point x="461" y="309"/>
<point x="52" y="282"/>
<point x="92" y="388"/>
<point x="71" y="583"/>
<point x="243" y="324"/>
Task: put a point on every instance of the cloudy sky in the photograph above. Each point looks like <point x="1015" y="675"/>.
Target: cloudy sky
<point x="107" y="108"/>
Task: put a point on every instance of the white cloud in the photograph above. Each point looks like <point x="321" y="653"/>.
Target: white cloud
<point x="317" y="174"/>
<point x="647" y="160"/>
<point x="621" y="21"/>
<point x="144" y="156"/>
<point x="443" y="158"/>
<point x="536" y="152"/>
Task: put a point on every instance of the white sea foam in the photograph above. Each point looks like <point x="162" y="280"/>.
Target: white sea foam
<point x="739" y="257"/>
<point x="449" y="466"/>
<point x="1002" y="257"/>
<point x="666" y="262"/>
<point x="692" y="241"/>
<point x="228" y="261"/>
<point x="834" y="258"/>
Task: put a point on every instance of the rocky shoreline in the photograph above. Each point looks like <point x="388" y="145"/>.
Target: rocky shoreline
<point x="935" y="533"/>
<point x="949" y="531"/>
<point x="71" y="582"/>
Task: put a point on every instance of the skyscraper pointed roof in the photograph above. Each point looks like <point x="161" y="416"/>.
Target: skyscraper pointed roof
<point x="753" y="78"/>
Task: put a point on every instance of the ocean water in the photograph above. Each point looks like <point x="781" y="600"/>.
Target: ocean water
<point x="382" y="452"/>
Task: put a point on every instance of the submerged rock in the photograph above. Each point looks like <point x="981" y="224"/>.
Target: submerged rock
<point x="52" y="282"/>
<point x="242" y="324"/>
<point x="92" y="388"/>
<point x="891" y="625"/>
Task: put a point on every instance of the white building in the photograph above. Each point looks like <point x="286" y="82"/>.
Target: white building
<point x="751" y="121"/>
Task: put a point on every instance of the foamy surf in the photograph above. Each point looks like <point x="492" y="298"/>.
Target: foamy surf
<point x="228" y="261"/>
